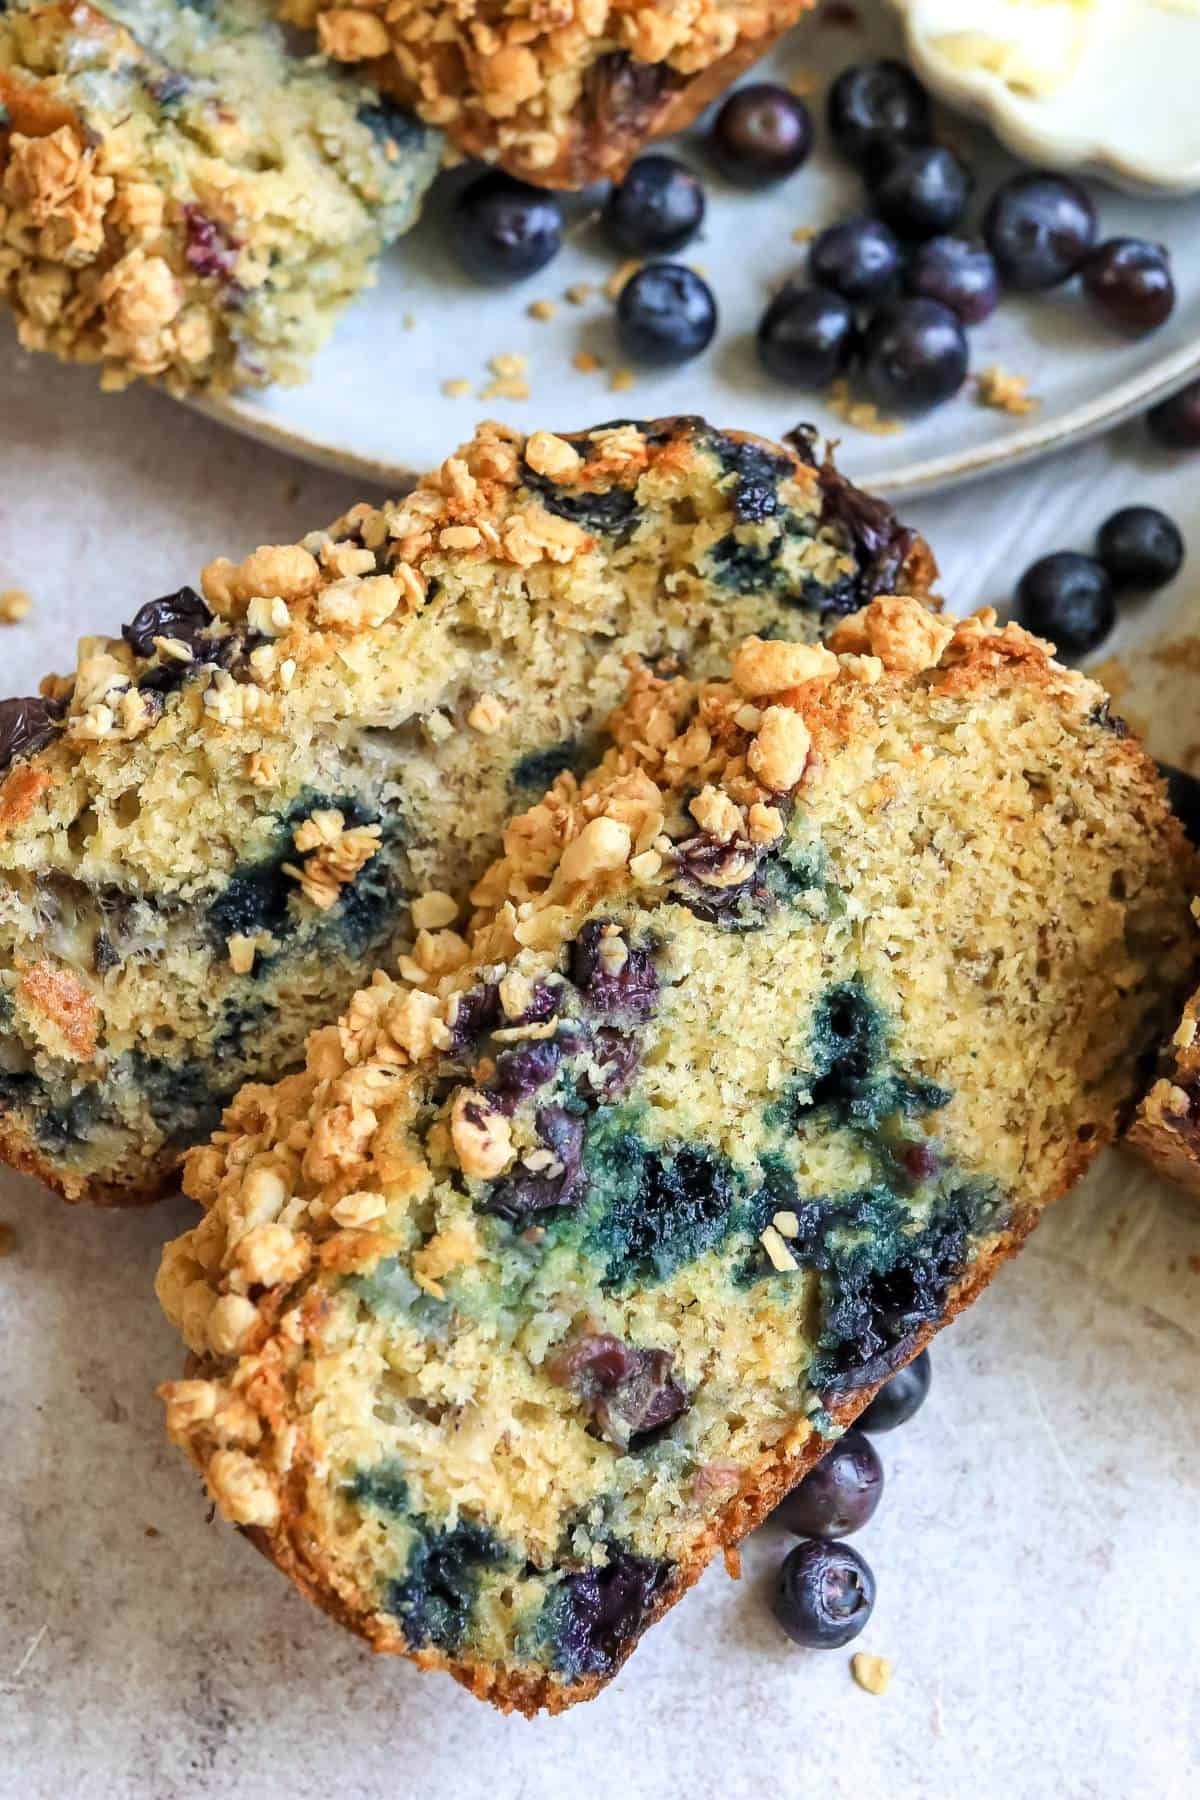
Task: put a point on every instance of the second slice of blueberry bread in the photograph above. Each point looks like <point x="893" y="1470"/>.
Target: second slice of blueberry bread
<point x="550" y="1274"/>
<point x="186" y="194"/>
<point x="213" y="830"/>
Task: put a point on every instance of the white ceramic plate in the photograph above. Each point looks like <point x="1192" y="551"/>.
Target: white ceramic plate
<point x="375" y="405"/>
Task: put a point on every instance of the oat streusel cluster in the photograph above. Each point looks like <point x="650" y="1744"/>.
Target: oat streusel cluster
<point x="214" y="828"/>
<point x="562" y="95"/>
<point x="182" y="196"/>
<point x="565" y="1255"/>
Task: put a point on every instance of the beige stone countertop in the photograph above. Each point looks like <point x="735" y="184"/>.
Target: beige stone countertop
<point x="1036" y="1547"/>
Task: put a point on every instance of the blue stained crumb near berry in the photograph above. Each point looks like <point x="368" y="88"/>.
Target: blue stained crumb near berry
<point x="666" y="314"/>
<point x="1039" y="227"/>
<point x="504" y="230"/>
<point x="1141" y="547"/>
<point x="900" y="1398"/>
<point x="434" y="1597"/>
<point x="839" y="1495"/>
<point x="1068" y="598"/>
<point x="824" y="1594"/>
<point x="612" y="975"/>
<point x="657" y="208"/>
<point x="761" y="134"/>
<point x="875" y="107"/>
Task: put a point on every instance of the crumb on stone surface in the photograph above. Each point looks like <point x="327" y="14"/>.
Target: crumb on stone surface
<point x="579" y="293"/>
<point x="619" y="277"/>
<point x="872" y="1673"/>
<point x="14" y="606"/>
<point x="8" y="1240"/>
<point x="585" y="362"/>
<point x="804" y="234"/>
<point x="864" y="415"/>
<point x="541" y="309"/>
<point x="456" y="388"/>
<point x="620" y="380"/>
<point x="1004" y="392"/>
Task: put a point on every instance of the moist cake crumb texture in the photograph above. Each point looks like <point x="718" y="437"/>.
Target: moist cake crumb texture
<point x="765" y="1042"/>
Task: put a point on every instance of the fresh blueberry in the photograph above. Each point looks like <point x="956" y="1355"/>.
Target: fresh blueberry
<point x="1175" y="421"/>
<point x="914" y="355"/>
<point x="666" y="314"/>
<point x="504" y="229"/>
<point x="1140" y="547"/>
<point x="658" y="207"/>
<point x="762" y="133"/>
<point x="1128" y="282"/>
<point x="960" y="274"/>
<point x="875" y="107"/>
<point x="856" y="258"/>
<point x="806" y="336"/>
<point x="900" y="1397"/>
<point x="1067" y="598"/>
<point x="1039" y="227"/>
<point x="923" y="192"/>
<point x="824" y="1595"/>
<point x="839" y="1495"/>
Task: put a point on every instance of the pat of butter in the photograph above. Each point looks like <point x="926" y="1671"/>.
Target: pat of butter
<point x="1033" y="46"/>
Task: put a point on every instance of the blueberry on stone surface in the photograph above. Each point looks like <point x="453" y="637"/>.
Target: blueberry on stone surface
<point x="1068" y="598"/>
<point x="857" y="258"/>
<point x="1175" y="422"/>
<point x="761" y="133"/>
<point x="504" y="230"/>
<point x="658" y="207"/>
<point x="915" y="355"/>
<point x="839" y="1495"/>
<point x="1039" y="227"/>
<point x="960" y="274"/>
<point x="806" y="336"/>
<point x="824" y="1594"/>
<point x="900" y="1397"/>
<point x="1140" y="547"/>
<point x="875" y="107"/>
<point x="666" y="314"/>
<point x="923" y="192"/>
<point x="1129" y="284"/>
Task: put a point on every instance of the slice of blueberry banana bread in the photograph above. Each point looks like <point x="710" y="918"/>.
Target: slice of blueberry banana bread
<point x="185" y="196"/>
<point x="559" y="95"/>
<point x="1166" y="1126"/>
<point x="551" y="1273"/>
<point x="211" y="833"/>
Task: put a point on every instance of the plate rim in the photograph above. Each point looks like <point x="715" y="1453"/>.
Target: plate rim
<point x="933" y="475"/>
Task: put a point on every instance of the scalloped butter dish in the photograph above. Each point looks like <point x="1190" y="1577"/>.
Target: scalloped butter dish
<point x="1105" y="87"/>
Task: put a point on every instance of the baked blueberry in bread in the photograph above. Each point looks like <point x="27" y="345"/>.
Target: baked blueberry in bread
<point x="563" y="95"/>
<point x="552" y="1271"/>
<point x="185" y="195"/>
<point x="214" y="830"/>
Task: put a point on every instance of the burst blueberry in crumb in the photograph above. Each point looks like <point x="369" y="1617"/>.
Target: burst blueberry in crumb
<point x="182" y="615"/>
<point x="901" y="1396"/>
<point x="824" y="1595"/>
<point x="25" y="726"/>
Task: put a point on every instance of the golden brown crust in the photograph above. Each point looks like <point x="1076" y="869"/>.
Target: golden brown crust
<point x="619" y="101"/>
<point x="528" y="1694"/>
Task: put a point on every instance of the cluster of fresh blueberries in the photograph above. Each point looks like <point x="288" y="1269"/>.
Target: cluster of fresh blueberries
<point x="889" y="292"/>
<point x="825" y="1590"/>
<point x="1072" y="599"/>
